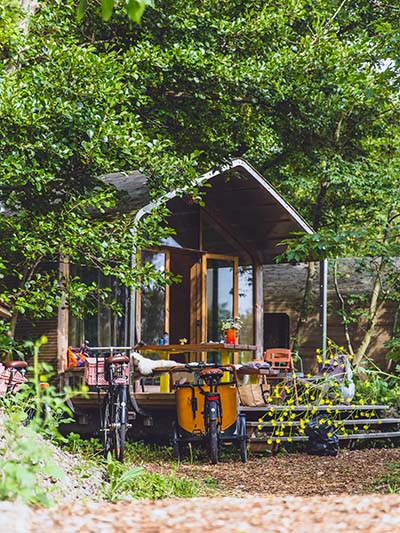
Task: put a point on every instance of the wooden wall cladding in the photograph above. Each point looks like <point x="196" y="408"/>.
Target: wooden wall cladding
<point x="32" y="331"/>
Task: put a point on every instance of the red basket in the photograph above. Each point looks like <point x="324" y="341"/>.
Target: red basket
<point x="94" y="373"/>
<point x="17" y="380"/>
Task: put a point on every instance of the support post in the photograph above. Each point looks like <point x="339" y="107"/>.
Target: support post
<point x="63" y="318"/>
<point x="258" y="310"/>
<point x="323" y="291"/>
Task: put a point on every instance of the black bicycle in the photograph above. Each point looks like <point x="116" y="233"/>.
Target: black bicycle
<point x="114" y="419"/>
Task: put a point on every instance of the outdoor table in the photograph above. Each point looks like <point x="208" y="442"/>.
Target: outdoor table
<point x="166" y="350"/>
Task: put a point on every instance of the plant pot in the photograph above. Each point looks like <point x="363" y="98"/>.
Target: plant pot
<point x="231" y="336"/>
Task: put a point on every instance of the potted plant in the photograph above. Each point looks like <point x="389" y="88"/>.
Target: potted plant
<point x="230" y="328"/>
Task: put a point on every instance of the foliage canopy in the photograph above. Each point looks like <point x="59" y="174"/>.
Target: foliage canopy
<point x="308" y="93"/>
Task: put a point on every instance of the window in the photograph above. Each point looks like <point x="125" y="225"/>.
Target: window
<point x="152" y="312"/>
<point x="107" y="326"/>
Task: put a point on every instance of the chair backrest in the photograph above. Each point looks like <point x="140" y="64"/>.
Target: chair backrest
<point x="279" y="358"/>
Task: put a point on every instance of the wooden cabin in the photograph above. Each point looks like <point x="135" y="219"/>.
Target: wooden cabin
<point x="218" y="250"/>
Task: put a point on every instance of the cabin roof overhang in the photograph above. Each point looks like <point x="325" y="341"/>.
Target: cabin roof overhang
<point x="251" y="215"/>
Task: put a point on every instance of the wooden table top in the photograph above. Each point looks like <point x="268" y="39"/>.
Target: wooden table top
<point x="201" y="347"/>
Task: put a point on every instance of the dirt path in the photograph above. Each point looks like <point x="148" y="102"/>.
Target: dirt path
<point x="372" y="514"/>
<point x="289" y="493"/>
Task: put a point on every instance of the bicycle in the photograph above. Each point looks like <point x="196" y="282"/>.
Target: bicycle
<point x="112" y="375"/>
<point x="207" y="410"/>
<point x="12" y="376"/>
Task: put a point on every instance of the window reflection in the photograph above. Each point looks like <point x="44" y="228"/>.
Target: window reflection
<point x="153" y="302"/>
<point x="220" y="274"/>
<point x="245" y="288"/>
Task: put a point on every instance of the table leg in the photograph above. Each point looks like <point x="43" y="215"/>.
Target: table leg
<point x="225" y="360"/>
<point x="164" y="378"/>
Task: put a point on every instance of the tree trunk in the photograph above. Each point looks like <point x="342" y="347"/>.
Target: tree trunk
<point x="343" y="308"/>
<point x="307" y="296"/>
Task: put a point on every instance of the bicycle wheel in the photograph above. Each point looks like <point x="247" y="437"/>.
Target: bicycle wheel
<point x="242" y="438"/>
<point x="175" y="441"/>
<point x="120" y="423"/>
<point x="213" y="442"/>
<point x="106" y="428"/>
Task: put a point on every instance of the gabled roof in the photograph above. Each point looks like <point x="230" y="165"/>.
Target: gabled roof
<point x="252" y="217"/>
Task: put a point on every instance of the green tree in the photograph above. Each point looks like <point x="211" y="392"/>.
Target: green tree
<point x="308" y="93"/>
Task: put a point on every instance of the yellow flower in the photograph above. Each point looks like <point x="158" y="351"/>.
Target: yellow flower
<point x="259" y="427"/>
<point x="301" y="431"/>
<point x="318" y="350"/>
<point x="314" y="410"/>
<point x="362" y="402"/>
<point x="308" y="375"/>
<point x="330" y="434"/>
<point x="290" y="424"/>
<point x="278" y="441"/>
<point x="322" y="401"/>
<point x="290" y="401"/>
<point x="329" y="342"/>
<point x="261" y="420"/>
<point x="319" y="359"/>
<point x="269" y="441"/>
<point x="273" y="423"/>
<point x="292" y="416"/>
<point x="289" y="439"/>
<point x="365" y="426"/>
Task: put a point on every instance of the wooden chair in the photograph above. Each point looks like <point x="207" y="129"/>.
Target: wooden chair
<point x="281" y="360"/>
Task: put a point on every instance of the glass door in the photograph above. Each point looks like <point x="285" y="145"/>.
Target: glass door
<point x="220" y="283"/>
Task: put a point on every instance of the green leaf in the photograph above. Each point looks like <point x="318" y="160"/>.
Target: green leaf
<point x="135" y="9"/>
<point x="80" y="10"/>
<point x="107" y="9"/>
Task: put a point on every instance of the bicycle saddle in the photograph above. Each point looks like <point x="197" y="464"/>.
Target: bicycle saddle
<point x="15" y="364"/>
<point x="211" y="372"/>
<point x="117" y="359"/>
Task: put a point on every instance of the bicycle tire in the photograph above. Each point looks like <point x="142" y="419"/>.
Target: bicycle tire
<point x="107" y="431"/>
<point x="120" y="424"/>
<point x="242" y="438"/>
<point x="213" y="442"/>
<point x="175" y="442"/>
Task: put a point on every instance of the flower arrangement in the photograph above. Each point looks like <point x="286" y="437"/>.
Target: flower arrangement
<point x="231" y="323"/>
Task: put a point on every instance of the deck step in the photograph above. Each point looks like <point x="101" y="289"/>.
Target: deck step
<point x="353" y="422"/>
<point x="318" y="408"/>
<point x="352" y="436"/>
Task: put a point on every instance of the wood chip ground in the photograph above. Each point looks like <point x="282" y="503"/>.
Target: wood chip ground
<point x="288" y="493"/>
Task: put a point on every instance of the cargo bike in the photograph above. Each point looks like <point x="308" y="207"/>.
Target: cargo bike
<point x="207" y="407"/>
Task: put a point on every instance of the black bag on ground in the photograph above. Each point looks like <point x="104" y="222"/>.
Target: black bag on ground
<point x="322" y="439"/>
